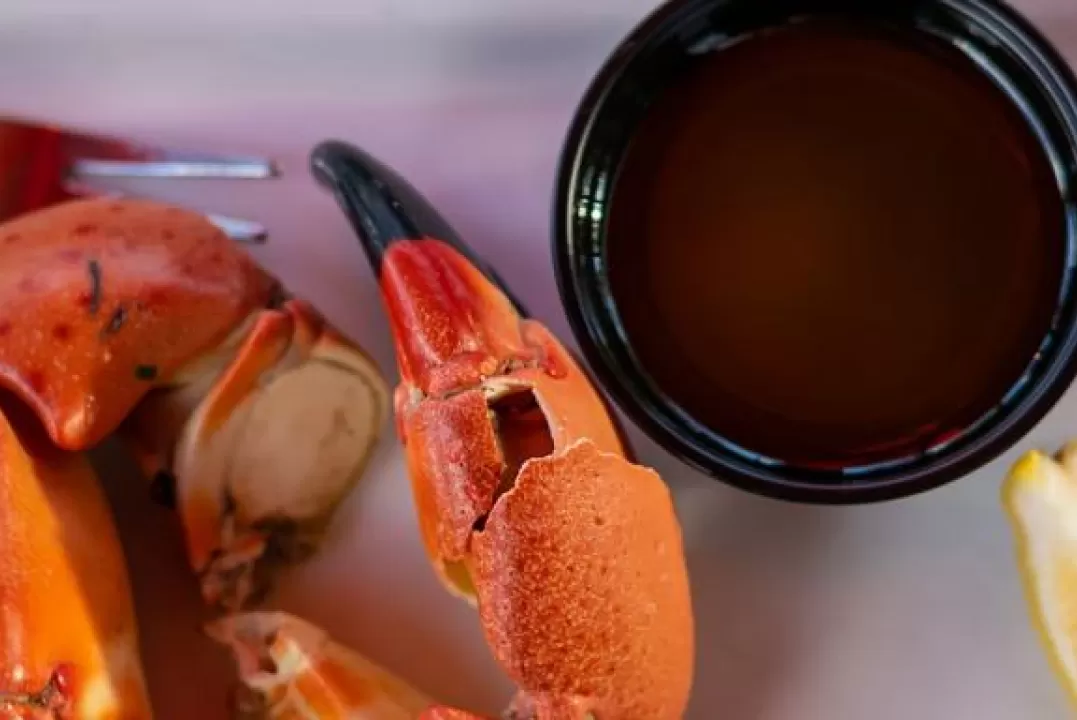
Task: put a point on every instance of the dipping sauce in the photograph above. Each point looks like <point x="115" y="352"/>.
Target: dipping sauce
<point x="835" y="244"/>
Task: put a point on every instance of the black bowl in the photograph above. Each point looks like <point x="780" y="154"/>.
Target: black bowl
<point x="1003" y="44"/>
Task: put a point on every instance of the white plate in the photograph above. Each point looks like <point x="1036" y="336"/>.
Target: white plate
<point x="908" y="611"/>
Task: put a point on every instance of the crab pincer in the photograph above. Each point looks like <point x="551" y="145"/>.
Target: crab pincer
<point x="141" y="319"/>
<point x="136" y="314"/>
<point x="528" y="502"/>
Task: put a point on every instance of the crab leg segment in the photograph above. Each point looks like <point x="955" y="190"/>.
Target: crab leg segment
<point x="68" y="635"/>
<point x="105" y="300"/>
<point x="293" y="671"/>
<point x="137" y="316"/>
<point x="203" y="497"/>
<point x="264" y="457"/>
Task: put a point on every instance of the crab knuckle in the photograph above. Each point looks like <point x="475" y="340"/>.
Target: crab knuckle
<point x="135" y="318"/>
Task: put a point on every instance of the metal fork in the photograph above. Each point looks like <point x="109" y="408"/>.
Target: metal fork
<point x="43" y="164"/>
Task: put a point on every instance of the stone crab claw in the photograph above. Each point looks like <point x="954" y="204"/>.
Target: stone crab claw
<point x="135" y="316"/>
<point x="292" y="670"/>
<point x="68" y="634"/>
<point x="265" y="456"/>
<point x="528" y="503"/>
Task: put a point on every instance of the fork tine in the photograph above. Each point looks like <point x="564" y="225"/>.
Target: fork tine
<point x="244" y="231"/>
<point x="42" y="164"/>
<point x="101" y="153"/>
<point x="223" y="167"/>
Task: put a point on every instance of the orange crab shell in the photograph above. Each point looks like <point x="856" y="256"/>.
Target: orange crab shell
<point x="454" y="455"/>
<point x="68" y="619"/>
<point x="527" y="503"/>
<point x="446" y="713"/>
<point x="102" y="299"/>
<point x="459" y="341"/>
<point x="459" y="327"/>
<point x="294" y="669"/>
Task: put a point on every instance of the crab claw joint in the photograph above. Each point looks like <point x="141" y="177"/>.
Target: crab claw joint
<point x="291" y="669"/>
<point x="273" y="449"/>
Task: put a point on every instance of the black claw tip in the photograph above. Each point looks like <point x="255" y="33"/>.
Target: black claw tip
<point x="382" y="207"/>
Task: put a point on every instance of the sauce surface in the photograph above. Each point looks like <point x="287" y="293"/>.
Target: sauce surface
<point x="835" y="244"/>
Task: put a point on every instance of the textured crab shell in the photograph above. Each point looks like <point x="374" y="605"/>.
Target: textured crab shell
<point x="455" y="457"/>
<point x="573" y="554"/>
<point x="582" y="587"/>
<point x="67" y="626"/>
<point x="451" y="326"/>
<point x="102" y="299"/>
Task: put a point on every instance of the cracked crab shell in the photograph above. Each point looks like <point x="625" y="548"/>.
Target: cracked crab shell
<point x="102" y="299"/>
<point x="461" y="345"/>
<point x="586" y="530"/>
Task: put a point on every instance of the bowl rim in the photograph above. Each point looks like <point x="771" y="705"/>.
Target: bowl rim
<point x="721" y="465"/>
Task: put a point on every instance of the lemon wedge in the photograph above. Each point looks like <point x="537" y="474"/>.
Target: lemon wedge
<point x="1040" y="497"/>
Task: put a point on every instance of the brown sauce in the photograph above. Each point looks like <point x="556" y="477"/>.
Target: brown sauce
<point x="831" y="244"/>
